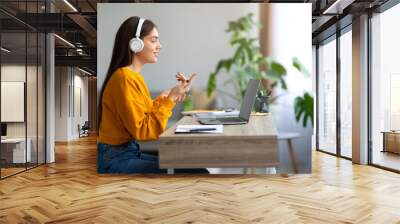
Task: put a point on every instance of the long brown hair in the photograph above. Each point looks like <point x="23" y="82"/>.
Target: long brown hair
<point x="122" y="56"/>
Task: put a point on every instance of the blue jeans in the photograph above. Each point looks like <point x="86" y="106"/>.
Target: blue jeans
<point x="127" y="158"/>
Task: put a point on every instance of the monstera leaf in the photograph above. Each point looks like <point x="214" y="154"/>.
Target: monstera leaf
<point x="304" y="109"/>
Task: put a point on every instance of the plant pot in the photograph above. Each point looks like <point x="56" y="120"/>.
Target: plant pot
<point x="262" y="104"/>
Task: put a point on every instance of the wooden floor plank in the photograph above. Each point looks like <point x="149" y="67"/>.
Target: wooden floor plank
<point x="70" y="191"/>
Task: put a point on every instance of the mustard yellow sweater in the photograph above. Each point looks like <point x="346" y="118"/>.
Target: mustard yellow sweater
<point x="128" y="112"/>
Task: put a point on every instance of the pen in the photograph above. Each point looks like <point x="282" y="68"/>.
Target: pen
<point x="203" y="129"/>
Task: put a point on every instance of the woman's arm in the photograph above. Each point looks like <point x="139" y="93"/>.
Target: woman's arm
<point x="143" y="121"/>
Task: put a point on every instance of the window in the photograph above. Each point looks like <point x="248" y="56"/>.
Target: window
<point x="327" y="97"/>
<point x="385" y="89"/>
<point x="346" y="93"/>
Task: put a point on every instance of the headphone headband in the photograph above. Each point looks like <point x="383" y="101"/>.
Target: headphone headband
<point x="139" y="27"/>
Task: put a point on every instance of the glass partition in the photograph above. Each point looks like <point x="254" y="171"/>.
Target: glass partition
<point x="22" y="64"/>
<point x="13" y="94"/>
<point x="327" y="96"/>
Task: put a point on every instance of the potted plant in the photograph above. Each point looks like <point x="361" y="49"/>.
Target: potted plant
<point x="248" y="63"/>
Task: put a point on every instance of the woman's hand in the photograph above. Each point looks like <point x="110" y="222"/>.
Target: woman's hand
<point x="165" y="93"/>
<point x="186" y="82"/>
<point x="178" y="93"/>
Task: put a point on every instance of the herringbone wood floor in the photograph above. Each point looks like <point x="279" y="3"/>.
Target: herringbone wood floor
<point x="70" y="191"/>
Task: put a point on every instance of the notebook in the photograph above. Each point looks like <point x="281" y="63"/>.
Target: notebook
<point x="210" y="129"/>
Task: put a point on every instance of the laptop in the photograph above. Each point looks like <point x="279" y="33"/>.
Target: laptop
<point x="245" y="109"/>
<point x="3" y="131"/>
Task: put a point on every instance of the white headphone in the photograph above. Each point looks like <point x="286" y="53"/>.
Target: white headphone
<point x="136" y="44"/>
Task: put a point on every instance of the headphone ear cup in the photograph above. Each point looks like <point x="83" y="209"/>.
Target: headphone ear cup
<point x="136" y="45"/>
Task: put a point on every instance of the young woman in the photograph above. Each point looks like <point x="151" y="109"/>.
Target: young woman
<point x="126" y="111"/>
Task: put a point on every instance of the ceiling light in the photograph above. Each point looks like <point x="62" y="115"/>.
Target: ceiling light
<point x="338" y="6"/>
<point x="5" y="50"/>
<point x="84" y="71"/>
<point x="80" y="51"/>
<point x="70" y="5"/>
<point x="65" y="41"/>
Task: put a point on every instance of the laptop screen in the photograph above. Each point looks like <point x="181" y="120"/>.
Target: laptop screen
<point x="3" y="129"/>
<point x="249" y="98"/>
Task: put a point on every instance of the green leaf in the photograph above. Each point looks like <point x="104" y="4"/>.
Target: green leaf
<point x="261" y="60"/>
<point x="212" y="83"/>
<point x="304" y="109"/>
<point x="249" y="53"/>
<point x="235" y="41"/>
<point x="238" y="56"/>
<point x="272" y="76"/>
<point x="297" y="64"/>
<point x="228" y="64"/>
<point x="278" y="68"/>
<point x="220" y="65"/>
<point x="283" y="84"/>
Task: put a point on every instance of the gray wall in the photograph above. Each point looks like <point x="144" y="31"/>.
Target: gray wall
<point x="69" y="84"/>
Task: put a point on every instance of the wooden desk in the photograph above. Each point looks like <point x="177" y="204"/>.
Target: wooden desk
<point x="240" y="146"/>
<point x="391" y="141"/>
<point x="13" y="150"/>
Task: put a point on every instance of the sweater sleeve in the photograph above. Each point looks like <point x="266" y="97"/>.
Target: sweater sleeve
<point x="141" y="121"/>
